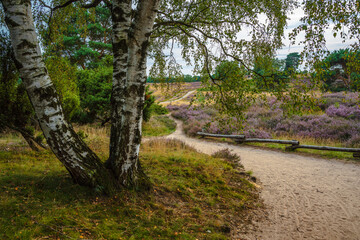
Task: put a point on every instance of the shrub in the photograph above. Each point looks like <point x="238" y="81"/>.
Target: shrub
<point x="354" y="141"/>
<point x="227" y="155"/>
<point x="159" y="109"/>
<point x="347" y="99"/>
<point x="256" y="133"/>
<point x="95" y="91"/>
<point x="193" y="128"/>
<point x="149" y="102"/>
<point x="322" y="126"/>
<point x="343" y="111"/>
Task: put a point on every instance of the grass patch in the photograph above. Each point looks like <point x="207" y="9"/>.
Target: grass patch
<point x="303" y="141"/>
<point x="309" y="141"/>
<point x="195" y="196"/>
<point x="159" y="125"/>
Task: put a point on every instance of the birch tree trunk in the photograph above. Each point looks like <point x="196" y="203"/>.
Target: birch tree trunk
<point x="83" y="165"/>
<point x="124" y="153"/>
<point x="30" y="142"/>
<point x="121" y="18"/>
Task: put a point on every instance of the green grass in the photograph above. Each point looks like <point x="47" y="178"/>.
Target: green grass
<point x="309" y="141"/>
<point x="195" y="196"/>
<point x="159" y="125"/>
<point x="303" y="141"/>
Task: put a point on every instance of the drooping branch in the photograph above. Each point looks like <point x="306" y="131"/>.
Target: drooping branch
<point x="192" y="25"/>
<point x="92" y="4"/>
<point x="206" y="51"/>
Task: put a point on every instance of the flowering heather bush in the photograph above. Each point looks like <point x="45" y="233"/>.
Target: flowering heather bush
<point x="340" y="121"/>
<point x="354" y="141"/>
<point x="192" y="127"/>
<point x="347" y="99"/>
<point x="185" y="112"/>
<point x="323" y="127"/>
<point x="344" y="111"/>
<point x="173" y="108"/>
<point x="257" y="133"/>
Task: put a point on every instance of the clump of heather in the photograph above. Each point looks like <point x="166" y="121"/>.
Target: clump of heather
<point x="185" y="112"/>
<point x="354" y="141"/>
<point x="343" y="111"/>
<point x="194" y="119"/>
<point x="256" y="133"/>
<point x="347" y="99"/>
<point x="192" y="127"/>
<point x="319" y="126"/>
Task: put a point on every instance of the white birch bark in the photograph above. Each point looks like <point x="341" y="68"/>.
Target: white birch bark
<point x="126" y="165"/>
<point x="83" y="165"/>
<point x="121" y="17"/>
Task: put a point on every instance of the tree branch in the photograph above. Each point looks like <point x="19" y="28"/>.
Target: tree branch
<point x="24" y="133"/>
<point x="92" y="4"/>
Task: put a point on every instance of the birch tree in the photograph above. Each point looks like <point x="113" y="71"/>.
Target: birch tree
<point x="207" y="31"/>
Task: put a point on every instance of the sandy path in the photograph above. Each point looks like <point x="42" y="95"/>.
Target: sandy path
<point x="307" y="198"/>
<point x="178" y="99"/>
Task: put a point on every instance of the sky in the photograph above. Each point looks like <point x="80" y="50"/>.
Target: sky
<point x="294" y="21"/>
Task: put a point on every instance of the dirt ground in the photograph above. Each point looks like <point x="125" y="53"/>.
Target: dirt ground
<point x="305" y="197"/>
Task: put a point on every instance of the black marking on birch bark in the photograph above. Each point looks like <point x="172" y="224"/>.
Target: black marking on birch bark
<point x="25" y="2"/>
<point x="18" y="14"/>
<point x="46" y="93"/>
<point x="36" y="57"/>
<point x="11" y="22"/>
<point x="26" y="53"/>
<point x="119" y="14"/>
<point x="40" y="75"/>
<point x="25" y="44"/>
<point x="17" y="63"/>
<point x="141" y="90"/>
<point x="120" y="75"/>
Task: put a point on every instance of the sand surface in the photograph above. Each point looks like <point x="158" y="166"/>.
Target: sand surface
<point x="178" y="99"/>
<point x="306" y="197"/>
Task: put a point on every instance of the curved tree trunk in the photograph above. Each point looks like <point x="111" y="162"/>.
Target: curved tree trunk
<point x="30" y="142"/>
<point x="83" y="165"/>
<point x="124" y="154"/>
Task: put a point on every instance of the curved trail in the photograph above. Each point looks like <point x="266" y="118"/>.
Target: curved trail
<point x="306" y="197"/>
<point x="178" y="99"/>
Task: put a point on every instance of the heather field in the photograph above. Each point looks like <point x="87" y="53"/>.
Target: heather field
<point x="336" y="121"/>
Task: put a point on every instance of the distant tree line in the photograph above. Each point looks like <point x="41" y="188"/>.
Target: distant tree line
<point x="183" y="78"/>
